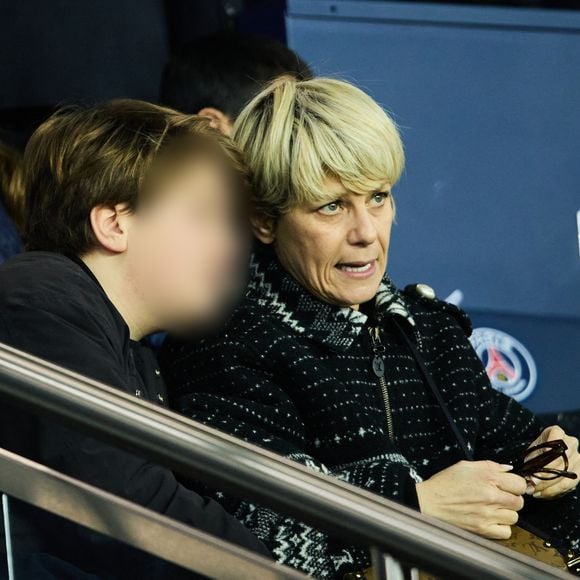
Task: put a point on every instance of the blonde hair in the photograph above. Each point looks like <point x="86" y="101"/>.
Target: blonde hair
<point x="297" y="134"/>
<point x="12" y="183"/>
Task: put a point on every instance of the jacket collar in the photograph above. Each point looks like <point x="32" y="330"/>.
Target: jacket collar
<point x="271" y="287"/>
<point x="119" y="320"/>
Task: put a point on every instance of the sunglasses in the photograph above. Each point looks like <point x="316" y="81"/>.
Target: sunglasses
<point x="535" y="459"/>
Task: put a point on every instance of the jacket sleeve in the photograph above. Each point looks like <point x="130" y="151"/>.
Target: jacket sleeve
<point x="233" y="390"/>
<point x="80" y="343"/>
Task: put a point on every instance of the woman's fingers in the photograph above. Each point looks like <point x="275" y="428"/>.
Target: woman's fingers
<point x="506" y="517"/>
<point x="552" y="433"/>
<point x="559" y="487"/>
<point x="511" y="483"/>
<point x="548" y="434"/>
<point x="550" y="489"/>
<point x="506" y="500"/>
<point x="497" y="532"/>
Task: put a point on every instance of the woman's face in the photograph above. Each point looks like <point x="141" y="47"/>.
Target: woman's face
<point x="338" y="251"/>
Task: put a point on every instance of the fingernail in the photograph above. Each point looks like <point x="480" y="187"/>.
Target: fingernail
<point x="530" y="489"/>
<point x="507" y="467"/>
<point x="534" y="480"/>
<point x="537" y="494"/>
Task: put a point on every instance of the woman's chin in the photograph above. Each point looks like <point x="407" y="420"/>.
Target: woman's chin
<point x="358" y="297"/>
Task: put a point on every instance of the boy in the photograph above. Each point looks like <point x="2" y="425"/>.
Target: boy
<point x="131" y="228"/>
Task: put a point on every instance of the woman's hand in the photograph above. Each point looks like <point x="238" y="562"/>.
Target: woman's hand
<point x="478" y="496"/>
<point x="551" y="489"/>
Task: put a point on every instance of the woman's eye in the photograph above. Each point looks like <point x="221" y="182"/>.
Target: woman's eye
<point x="330" y="208"/>
<point x="379" y="199"/>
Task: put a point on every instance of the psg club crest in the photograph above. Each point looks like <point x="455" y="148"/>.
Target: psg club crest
<point x="509" y="364"/>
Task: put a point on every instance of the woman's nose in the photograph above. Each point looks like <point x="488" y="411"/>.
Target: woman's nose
<point x="363" y="229"/>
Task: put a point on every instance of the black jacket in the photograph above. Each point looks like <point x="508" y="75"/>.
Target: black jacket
<point x="54" y="308"/>
<point x="295" y="375"/>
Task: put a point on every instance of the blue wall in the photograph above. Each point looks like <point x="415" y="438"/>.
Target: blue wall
<point x="488" y="100"/>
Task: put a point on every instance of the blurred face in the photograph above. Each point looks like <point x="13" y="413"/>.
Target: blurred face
<point x="338" y="251"/>
<point x="185" y="245"/>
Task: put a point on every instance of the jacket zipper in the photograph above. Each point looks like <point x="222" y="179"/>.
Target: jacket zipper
<point x="379" y="370"/>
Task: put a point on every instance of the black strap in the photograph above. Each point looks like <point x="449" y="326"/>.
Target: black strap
<point x="434" y="389"/>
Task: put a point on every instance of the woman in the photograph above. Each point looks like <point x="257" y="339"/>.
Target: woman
<point x="328" y="363"/>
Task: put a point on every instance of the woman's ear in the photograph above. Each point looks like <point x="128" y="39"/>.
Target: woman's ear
<point x="218" y="120"/>
<point x="110" y="226"/>
<point x="264" y="228"/>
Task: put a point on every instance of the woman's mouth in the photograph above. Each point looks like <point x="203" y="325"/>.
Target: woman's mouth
<point x="358" y="269"/>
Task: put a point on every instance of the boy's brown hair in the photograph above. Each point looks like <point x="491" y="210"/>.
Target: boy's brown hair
<point x="81" y="158"/>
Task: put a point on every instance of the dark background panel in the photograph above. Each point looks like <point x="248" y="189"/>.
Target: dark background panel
<point x="487" y="100"/>
<point x="66" y="51"/>
<point x="69" y="50"/>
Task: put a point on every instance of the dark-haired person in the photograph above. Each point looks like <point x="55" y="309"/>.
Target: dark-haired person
<point x="217" y="75"/>
<point x="11" y="194"/>
<point x="131" y="228"/>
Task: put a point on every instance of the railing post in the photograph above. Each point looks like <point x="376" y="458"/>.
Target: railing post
<point x="385" y="567"/>
<point x="7" y="536"/>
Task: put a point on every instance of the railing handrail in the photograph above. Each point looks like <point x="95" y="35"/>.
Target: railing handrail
<point x="211" y="456"/>
<point x="132" y="524"/>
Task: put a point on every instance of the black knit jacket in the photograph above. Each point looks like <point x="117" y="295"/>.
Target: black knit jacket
<point x="295" y="375"/>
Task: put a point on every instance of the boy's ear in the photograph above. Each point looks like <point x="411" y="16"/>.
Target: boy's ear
<point x="110" y="226"/>
<point x="264" y="228"/>
<point x="218" y="120"/>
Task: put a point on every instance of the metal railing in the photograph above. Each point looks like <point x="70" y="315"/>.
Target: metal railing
<point x="203" y="453"/>
<point x="132" y="524"/>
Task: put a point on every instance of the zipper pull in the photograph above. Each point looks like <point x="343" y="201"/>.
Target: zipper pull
<point x="378" y="361"/>
<point x="379" y="366"/>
